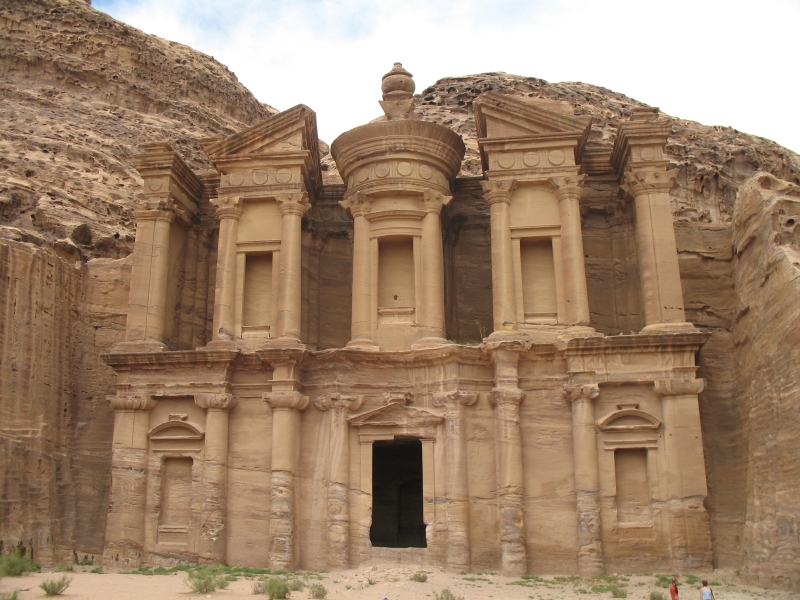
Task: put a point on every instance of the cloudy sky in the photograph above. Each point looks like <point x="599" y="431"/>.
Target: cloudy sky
<point x="717" y="62"/>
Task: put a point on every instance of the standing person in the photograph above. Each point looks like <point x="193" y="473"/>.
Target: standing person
<point x="673" y="591"/>
<point x="706" y="593"/>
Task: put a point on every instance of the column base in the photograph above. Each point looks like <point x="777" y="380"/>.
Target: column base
<point x="363" y="344"/>
<point x="682" y="327"/>
<point x="143" y="346"/>
<point x="430" y="342"/>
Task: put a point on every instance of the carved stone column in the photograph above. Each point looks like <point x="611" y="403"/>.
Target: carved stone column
<point x="498" y="195"/>
<point x="568" y="192"/>
<point x="456" y="488"/>
<point x="361" y="324"/>
<point x="688" y="527"/>
<point x="591" y="562"/>
<point x="148" y="298"/>
<point x="338" y="555"/>
<point x="286" y="408"/>
<point x="125" y="527"/>
<point x="662" y="293"/>
<point x="213" y="516"/>
<point x="433" y="266"/>
<point x="293" y="207"/>
<point x="229" y="210"/>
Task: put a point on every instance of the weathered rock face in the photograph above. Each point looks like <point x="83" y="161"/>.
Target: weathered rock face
<point x="81" y="92"/>
<point x="767" y="337"/>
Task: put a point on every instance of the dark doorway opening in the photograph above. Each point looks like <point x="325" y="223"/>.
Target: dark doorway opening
<point x="397" y="515"/>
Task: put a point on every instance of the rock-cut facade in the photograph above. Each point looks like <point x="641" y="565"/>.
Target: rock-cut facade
<point x="296" y="389"/>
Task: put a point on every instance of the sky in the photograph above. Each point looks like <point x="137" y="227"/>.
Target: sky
<point x="727" y="62"/>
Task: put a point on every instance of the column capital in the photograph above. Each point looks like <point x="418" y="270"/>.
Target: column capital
<point x="457" y="397"/>
<point x="228" y="207"/>
<point x="292" y="400"/>
<point x="501" y="396"/>
<point x="337" y="401"/>
<point x="636" y="183"/>
<point x="498" y="190"/>
<point x="157" y="209"/>
<point x="433" y="201"/>
<point x="293" y="204"/>
<point x="132" y="402"/>
<point x="358" y="203"/>
<point x="568" y="186"/>
<point x="215" y="401"/>
<point x="679" y="387"/>
<point x="583" y="391"/>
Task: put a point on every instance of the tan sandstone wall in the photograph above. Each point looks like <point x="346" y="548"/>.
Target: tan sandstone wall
<point x="767" y="336"/>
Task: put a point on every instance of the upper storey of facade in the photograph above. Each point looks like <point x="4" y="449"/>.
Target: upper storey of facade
<point x="246" y="225"/>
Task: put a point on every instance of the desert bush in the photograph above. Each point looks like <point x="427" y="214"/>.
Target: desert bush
<point x="446" y="594"/>
<point x="419" y="577"/>
<point x="62" y="568"/>
<point x="277" y="588"/>
<point x="55" y="587"/>
<point x="317" y="591"/>
<point x="619" y="592"/>
<point x="12" y="596"/>
<point x="657" y="596"/>
<point x="295" y="585"/>
<point x="15" y="564"/>
<point x="204" y="581"/>
<point x="260" y="587"/>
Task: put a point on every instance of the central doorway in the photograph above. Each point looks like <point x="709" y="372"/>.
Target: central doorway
<point x="397" y="505"/>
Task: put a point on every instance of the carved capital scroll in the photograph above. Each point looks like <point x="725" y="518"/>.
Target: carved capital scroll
<point x="679" y="387"/>
<point x="228" y="207"/>
<point x="293" y="204"/>
<point x="637" y="183"/>
<point x="157" y="209"/>
<point x="569" y="186"/>
<point x="503" y="396"/>
<point x="215" y="401"/>
<point x="292" y="400"/>
<point x="358" y="203"/>
<point x="498" y="190"/>
<point x="456" y="397"/>
<point x="132" y="402"/>
<point x="584" y="391"/>
<point x="435" y="201"/>
<point x="337" y="401"/>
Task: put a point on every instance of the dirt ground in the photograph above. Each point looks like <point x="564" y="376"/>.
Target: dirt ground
<point x="391" y="583"/>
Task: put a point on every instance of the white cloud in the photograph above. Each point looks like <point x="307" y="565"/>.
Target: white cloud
<point x="718" y="62"/>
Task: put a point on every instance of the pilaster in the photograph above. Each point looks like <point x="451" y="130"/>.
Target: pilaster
<point x="498" y="195"/>
<point x="292" y="207"/>
<point x="229" y="210"/>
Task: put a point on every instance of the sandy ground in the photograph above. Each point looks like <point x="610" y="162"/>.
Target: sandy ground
<point x="391" y="583"/>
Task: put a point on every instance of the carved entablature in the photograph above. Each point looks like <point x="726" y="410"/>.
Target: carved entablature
<point x="169" y="184"/>
<point x="178" y="427"/>
<point x="628" y="417"/>
<point x="524" y="140"/>
<point x="280" y="154"/>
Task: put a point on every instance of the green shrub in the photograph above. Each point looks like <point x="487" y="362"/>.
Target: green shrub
<point x="657" y="596"/>
<point x="15" y="564"/>
<point x="277" y="588"/>
<point x="62" y="568"/>
<point x="419" y="577"/>
<point x="619" y="592"/>
<point x="692" y="579"/>
<point x="260" y="587"/>
<point x="12" y="596"/>
<point x="204" y="581"/>
<point x="370" y="581"/>
<point x="446" y="594"/>
<point x="317" y="591"/>
<point x="55" y="587"/>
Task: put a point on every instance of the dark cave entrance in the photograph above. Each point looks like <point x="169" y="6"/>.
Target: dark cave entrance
<point x="397" y="511"/>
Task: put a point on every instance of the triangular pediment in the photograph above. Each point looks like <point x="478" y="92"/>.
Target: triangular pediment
<point x="396" y="414"/>
<point x="293" y="130"/>
<point x="498" y="116"/>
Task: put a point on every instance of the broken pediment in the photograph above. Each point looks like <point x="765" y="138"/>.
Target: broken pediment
<point x="500" y="116"/>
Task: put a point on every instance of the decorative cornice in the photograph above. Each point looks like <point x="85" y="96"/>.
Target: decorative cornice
<point x="498" y="190"/>
<point x="679" y="387"/>
<point x="292" y="400"/>
<point x="215" y="401"/>
<point x="132" y="402"/>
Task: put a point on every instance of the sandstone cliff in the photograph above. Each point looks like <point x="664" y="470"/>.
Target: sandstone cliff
<point x="80" y="92"/>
